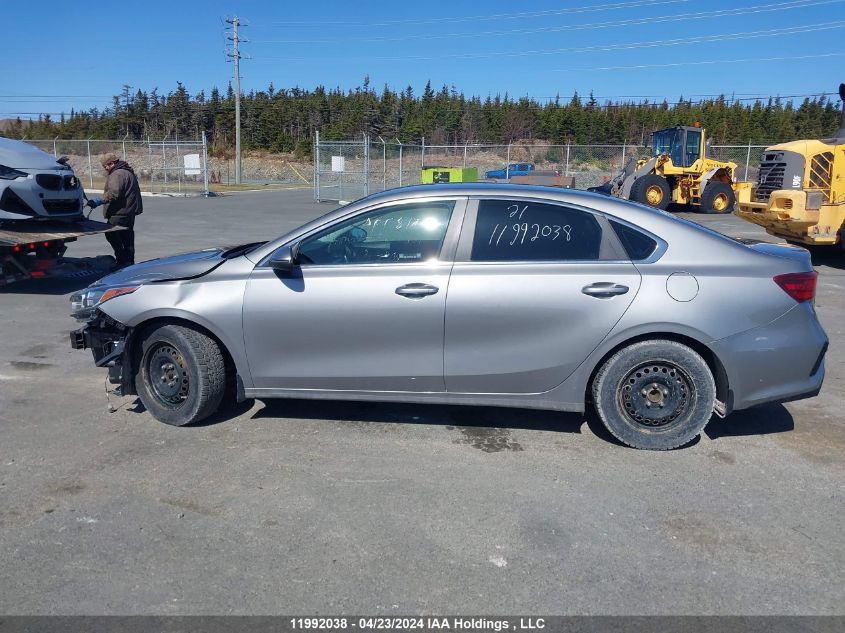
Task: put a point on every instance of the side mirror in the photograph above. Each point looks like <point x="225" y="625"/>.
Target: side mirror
<point x="285" y="259"/>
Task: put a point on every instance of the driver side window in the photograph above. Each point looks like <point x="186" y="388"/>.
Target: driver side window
<point x="394" y="234"/>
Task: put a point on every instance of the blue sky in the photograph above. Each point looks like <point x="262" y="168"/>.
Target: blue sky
<point x="77" y="56"/>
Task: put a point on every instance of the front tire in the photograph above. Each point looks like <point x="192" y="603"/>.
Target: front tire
<point x="652" y="190"/>
<point x="655" y="395"/>
<point x="181" y="376"/>
<point x="718" y="197"/>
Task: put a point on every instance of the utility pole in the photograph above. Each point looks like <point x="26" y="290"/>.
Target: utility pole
<point x="125" y="95"/>
<point x="236" y="57"/>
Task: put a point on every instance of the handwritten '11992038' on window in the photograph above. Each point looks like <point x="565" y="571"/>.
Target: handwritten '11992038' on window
<point x="507" y="231"/>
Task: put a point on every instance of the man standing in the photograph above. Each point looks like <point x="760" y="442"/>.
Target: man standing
<point x="122" y="200"/>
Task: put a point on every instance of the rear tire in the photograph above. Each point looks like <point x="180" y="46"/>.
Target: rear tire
<point x="718" y="197"/>
<point x="651" y="190"/>
<point x="181" y="376"/>
<point x="654" y="395"/>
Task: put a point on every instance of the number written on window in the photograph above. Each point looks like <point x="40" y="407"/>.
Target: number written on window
<point x="532" y="231"/>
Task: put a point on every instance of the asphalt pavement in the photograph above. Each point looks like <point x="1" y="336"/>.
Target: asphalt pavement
<point x="285" y="507"/>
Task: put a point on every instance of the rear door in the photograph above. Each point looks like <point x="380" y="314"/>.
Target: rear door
<point x="535" y="288"/>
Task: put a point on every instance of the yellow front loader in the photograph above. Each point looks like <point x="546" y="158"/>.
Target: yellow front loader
<point x="800" y="192"/>
<point x="678" y="171"/>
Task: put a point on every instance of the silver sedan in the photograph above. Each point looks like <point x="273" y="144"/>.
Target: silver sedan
<point x="502" y="295"/>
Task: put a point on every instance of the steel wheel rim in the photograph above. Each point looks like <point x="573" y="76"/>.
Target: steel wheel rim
<point x="654" y="195"/>
<point x="720" y="202"/>
<point x="167" y="375"/>
<point x="656" y="394"/>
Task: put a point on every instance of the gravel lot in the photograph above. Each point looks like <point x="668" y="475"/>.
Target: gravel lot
<point x="303" y="507"/>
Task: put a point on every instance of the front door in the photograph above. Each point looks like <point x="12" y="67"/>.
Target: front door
<point x="364" y="309"/>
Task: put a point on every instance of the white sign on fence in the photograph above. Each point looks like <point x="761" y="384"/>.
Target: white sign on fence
<point x="338" y="163"/>
<point x="192" y="165"/>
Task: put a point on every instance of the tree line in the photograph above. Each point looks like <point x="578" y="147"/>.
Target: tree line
<point x="286" y="120"/>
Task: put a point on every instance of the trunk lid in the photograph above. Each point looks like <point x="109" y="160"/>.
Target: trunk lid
<point x="795" y="254"/>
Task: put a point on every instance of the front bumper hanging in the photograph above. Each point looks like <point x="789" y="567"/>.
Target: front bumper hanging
<point x="109" y="343"/>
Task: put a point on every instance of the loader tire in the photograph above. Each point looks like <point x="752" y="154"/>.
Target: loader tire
<point x="652" y="190"/>
<point x="718" y="197"/>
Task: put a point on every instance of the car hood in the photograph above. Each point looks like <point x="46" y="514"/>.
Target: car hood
<point x="20" y="155"/>
<point x="184" y="266"/>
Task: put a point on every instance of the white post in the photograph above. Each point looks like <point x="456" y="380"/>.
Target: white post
<point x="747" y="160"/>
<point x="317" y="165"/>
<point x="179" y="163"/>
<point x="383" y="164"/>
<point x="568" y="144"/>
<point x="164" y="161"/>
<point x="422" y="154"/>
<point x="465" y="154"/>
<point x="400" y="161"/>
<point x="366" y="165"/>
<point x="204" y="164"/>
<point x="508" y="163"/>
<point x="90" y="168"/>
<point x="54" y="147"/>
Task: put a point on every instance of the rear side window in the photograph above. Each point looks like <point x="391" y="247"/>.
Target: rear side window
<point x="508" y="230"/>
<point x="638" y="245"/>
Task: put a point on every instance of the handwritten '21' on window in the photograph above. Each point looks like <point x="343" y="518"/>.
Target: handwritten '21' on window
<point x="508" y="230"/>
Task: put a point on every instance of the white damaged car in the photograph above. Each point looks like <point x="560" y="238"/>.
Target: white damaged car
<point x="35" y="185"/>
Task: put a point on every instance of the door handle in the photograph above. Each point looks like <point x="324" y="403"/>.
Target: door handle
<point x="416" y="291"/>
<point x="604" y="289"/>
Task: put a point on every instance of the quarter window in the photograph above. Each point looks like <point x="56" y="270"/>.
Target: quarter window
<point x="397" y="234"/>
<point x="508" y="230"/>
<point x="637" y="245"/>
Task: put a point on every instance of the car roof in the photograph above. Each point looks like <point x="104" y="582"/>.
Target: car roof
<point x="595" y="201"/>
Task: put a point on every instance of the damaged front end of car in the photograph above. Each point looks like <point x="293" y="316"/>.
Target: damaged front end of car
<point x="108" y="339"/>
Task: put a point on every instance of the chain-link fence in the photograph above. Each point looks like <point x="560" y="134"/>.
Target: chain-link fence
<point x="347" y="170"/>
<point x="169" y="165"/>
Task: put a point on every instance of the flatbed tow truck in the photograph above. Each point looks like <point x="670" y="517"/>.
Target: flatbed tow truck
<point x="36" y="248"/>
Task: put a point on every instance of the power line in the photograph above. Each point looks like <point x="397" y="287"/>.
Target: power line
<point x="698" y="39"/>
<point x="700" y="15"/>
<point x="741" y="96"/>
<point x="485" y="17"/>
<point x="702" y="63"/>
<point x="658" y="101"/>
<point x="55" y="96"/>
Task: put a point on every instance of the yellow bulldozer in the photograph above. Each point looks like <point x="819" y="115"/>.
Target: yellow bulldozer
<point x="678" y="171"/>
<point x="800" y="191"/>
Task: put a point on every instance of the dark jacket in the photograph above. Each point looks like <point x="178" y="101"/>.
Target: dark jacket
<point x="122" y="196"/>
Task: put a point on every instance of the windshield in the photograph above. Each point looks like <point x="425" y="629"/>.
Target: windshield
<point x="663" y="141"/>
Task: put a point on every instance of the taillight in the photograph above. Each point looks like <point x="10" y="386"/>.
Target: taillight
<point x="799" y="286"/>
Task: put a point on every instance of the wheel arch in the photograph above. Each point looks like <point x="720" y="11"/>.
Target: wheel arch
<point x="723" y="174"/>
<point x="714" y="363"/>
<point x="140" y="329"/>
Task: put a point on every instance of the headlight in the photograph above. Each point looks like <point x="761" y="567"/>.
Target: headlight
<point x="7" y="173"/>
<point x="83" y="303"/>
